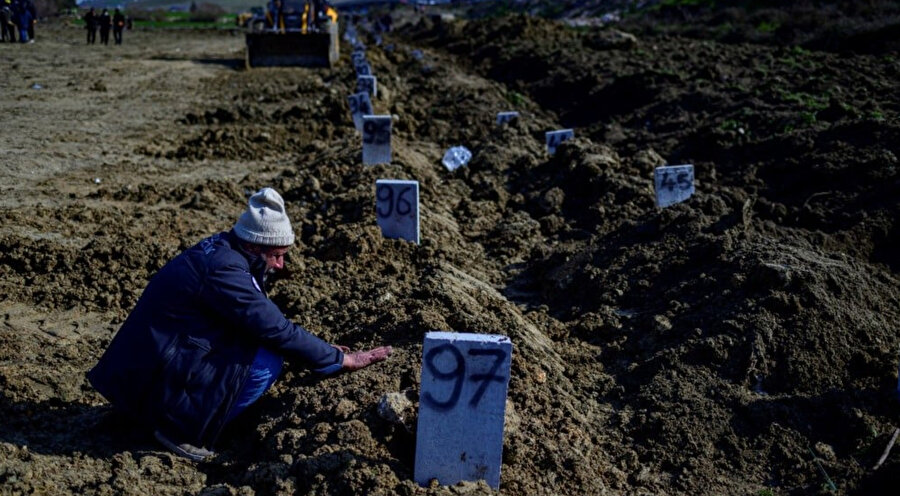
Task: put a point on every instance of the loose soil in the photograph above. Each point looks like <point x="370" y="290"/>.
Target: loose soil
<point x="743" y="342"/>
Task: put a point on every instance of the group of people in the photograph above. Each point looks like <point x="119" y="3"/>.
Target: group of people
<point x="104" y="22"/>
<point x="17" y="18"/>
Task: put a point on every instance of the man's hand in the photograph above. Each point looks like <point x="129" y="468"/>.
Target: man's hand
<point x="360" y="359"/>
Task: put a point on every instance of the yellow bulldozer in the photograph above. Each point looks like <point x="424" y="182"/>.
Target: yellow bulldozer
<point x="293" y="33"/>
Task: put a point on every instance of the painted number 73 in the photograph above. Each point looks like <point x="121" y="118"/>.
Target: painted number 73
<point x="458" y="375"/>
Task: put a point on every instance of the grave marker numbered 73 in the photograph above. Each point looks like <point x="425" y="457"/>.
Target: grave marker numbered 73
<point x="462" y="404"/>
<point x="673" y="183"/>
<point x="397" y="208"/>
<point x="367" y="84"/>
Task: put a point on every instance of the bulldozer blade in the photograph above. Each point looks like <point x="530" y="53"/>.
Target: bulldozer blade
<point x="269" y="49"/>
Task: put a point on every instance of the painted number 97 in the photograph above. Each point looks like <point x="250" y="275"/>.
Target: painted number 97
<point x="458" y="375"/>
<point x="389" y="206"/>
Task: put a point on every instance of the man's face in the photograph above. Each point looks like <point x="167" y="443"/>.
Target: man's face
<point x="274" y="257"/>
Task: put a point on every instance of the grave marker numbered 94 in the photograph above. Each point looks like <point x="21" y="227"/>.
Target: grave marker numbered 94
<point x="397" y="208"/>
<point x="674" y="184"/>
<point x="555" y="138"/>
<point x="462" y="404"/>
<point x="376" y="139"/>
<point x="360" y="105"/>
<point x="367" y="84"/>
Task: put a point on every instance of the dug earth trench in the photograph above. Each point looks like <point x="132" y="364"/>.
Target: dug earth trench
<point x="742" y="342"/>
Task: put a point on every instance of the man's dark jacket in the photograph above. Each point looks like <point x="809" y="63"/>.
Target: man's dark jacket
<point x="184" y="353"/>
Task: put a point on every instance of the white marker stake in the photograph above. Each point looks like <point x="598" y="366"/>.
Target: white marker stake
<point x="376" y="138"/>
<point x="462" y="404"/>
<point x="674" y="184"/>
<point x="504" y="117"/>
<point x="397" y="208"/>
<point x="554" y="138"/>
<point x="360" y="105"/>
<point x="367" y="84"/>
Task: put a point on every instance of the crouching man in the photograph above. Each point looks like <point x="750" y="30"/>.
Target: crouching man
<point x="204" y="341"/>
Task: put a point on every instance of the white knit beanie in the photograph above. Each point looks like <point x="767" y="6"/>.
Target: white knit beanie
<point x="265" y="222"/>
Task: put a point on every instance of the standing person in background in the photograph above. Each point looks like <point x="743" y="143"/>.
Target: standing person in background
<point x="22" y="17"/>
<point x="32" y="18"/>
<point x="90" y="24"/>
<point x="118" y="21"/>
<point x="105" y="24"/>
<point x="6" y="29"/>
<point x="205" y="341"/>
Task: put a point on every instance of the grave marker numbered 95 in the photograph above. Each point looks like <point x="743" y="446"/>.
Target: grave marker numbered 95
<point x="367" y="84"/>
<point x="376" y="139"/>
<point x="360" y="105"/>
<point x="504" y="117"/>
<point x="397" y="208"/>
<point x="555" y="138"/>
<point x="674" y="184"/>
<point x="462" y="404"/>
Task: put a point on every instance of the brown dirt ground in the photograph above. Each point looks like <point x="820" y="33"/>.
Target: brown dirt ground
<point x="740" y="343"/>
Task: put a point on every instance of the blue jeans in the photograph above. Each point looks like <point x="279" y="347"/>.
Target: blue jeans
<point x="263" y="372"/>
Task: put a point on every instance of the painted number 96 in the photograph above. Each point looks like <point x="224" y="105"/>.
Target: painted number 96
<point x="458" y="375"/>
<point x="389" y="206"/>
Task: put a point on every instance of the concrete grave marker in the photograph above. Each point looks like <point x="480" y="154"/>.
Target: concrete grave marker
<point x="397" y="208"/>
<point x="363" y="69"/>
<point x="367" y="84"/>
<point x="555" y="138"/>
<point x="360" y="105"/>
<point x="674" y="184"/>
<point x="462" y="404"/>
<point x="376" y="139"/>
<point x="504" y="117"/>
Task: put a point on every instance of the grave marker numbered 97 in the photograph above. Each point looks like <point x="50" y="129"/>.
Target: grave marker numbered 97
<point x="555" y="138"/>
<point x="367" y="84"/>
<point x="674" y="184"/>
<point x="397" y="208"/>
<point x="376" y="139"/>
<point x="360" y="105"/>
<point x="504" y="117"/>
<point x="462" y="404"/>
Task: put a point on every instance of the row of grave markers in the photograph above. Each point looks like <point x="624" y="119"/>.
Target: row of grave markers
<point x="464" y="376"/>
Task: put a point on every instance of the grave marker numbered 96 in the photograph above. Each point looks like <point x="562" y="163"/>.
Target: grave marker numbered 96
<point x="673" y="183"/>
<point x="504" y="117"/>
<point x="397" y="208"/>
<point x="555" y="138"/>
<point x="376" y="139"/>
<point x="360" y="105"/>
<point x="462" y="404"/>
<point x="367" y="84"/>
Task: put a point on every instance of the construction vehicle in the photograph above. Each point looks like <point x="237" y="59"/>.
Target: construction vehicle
<point x="293" y="33"/>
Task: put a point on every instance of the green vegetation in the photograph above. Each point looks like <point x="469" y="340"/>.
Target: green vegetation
<point x="159" y="19"/>
<point x="767" y="27"/>
<point x="515" y="98"/>
<point x="765" y="492"/>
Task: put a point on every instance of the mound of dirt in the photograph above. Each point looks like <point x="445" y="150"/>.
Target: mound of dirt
<point x="741" y="342"/>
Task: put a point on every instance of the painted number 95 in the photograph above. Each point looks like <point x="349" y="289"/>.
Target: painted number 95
<point x="377" y="132"/>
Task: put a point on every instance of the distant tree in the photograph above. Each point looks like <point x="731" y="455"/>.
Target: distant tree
<point x="206" y="12"/>
<point x="193" y="7"/>
<point x="47" y="8"/>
